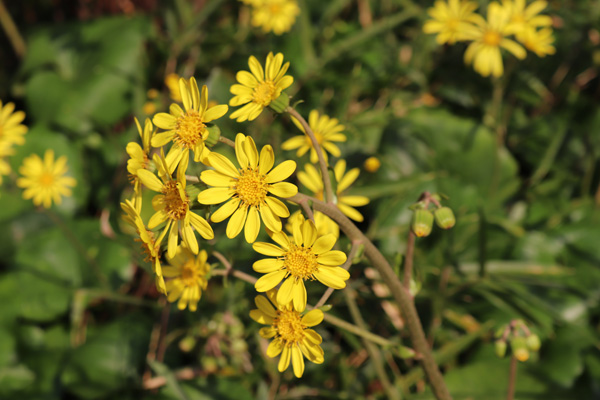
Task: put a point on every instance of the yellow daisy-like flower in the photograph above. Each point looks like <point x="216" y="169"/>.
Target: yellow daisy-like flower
<point x="150" y="246"/>
<point x="45" y="180"/>
<point x="311" y="179"/>
<point x="172" y="206"/>
<point x="275" y="16"/>
<point x="139" y="158"/>
<point x="188" y="277"/>
<point x="290" y="331"/>
<point x="187" y="128"/>
<point x="172" y="83"/>
<point x="327" y="130"/>
<point x="525" y="18"/>
<point x="488" y="37"/>
<point x="258" y="89"/>
<point x="450" y="20"/>
<point x="247" y="188"/>
<point x="11" y="129"/>
<point x="323" y="223"/>
<point x="539" y="42"/>
<point x="305" y="256"/>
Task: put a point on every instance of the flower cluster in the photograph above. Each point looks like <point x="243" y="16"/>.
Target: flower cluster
<point x="456" y="20"/>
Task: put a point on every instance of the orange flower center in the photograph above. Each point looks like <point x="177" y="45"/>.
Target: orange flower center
<point x="189" y="129"/>
<point x="289" y="326"/>
<point x="176" y="201"/>
<point x="190" y="273"/>
<point x="251" y="187"/>
<point x="46" y="179"/>
<point x="492" y="38"/>
<point x="264" y="93"/>
<point x="300" y="262"/>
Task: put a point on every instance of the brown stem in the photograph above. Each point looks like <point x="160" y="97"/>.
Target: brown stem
<point x="15" y="38"/>
<point x="408" y="263"/>
<point x="322" y="163"/>
<point x="228" y="142"/>
<point x="346" y="266"/>
<point x="307" y="210"/>
<point x="512" y="378"/>
<point x="401" y="295"/>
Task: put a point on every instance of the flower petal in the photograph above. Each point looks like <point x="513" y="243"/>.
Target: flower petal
<point x="268" y="249"/>
<point x="297" y="361"/>
<point x="252" y="225"/>
<point x="275" y="348"/>
<point x="282" y="171"/>
<point x="333" y="258"/>
<point x="286" y="292"/>
<point x="150" y="180"/>
<point x="283" y="189"/>
<point x="324" y="244"/>
<point x="225" y="211"/>
<point x="269" y="281"/>
<point x="223" y="165"/>
<point x="265" y="306"/>
<point x="313" y="317"/>
<point x="266" y="161"/>
<point x="267" y="265"/>
<point x="215" y="195"/>
<point x="284" y="361"/>
<point x="329" y="278"/>
<point x="236" y="222"/>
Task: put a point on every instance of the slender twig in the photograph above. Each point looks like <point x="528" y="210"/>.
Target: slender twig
<point x="358" y="331"/>
<point x="155" y="337"/>
<point x="401" y="295"/>
<point x="408" y="263"/>
<point x="238" y="274"/>
<point x="15" y="38"/>
<point x="512" y="378"/>
<point x="322" y="163"/>
<point x="346" y="266"/>
<point x="228" y="142"/>
<point x="309" y="212"/>
<point x="192" y="178"/>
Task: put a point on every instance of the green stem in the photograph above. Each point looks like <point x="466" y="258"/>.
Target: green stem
<point x="358" y="331"/>
<point x="408" y="263"/>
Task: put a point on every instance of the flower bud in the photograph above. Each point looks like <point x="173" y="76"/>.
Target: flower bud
<point x="519" y="348"/>
<point x="422" y="223"/>
<point x="214" y="133"/>
<point x="406" y="352"/>
<point x="533" y="342"/>
<point x="500" y="348"/>
<point x="281" y="103"/>
<point x="444" y="217"/>
<point x="372" y="164"/>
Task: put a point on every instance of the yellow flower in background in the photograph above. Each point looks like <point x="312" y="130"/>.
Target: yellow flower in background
<point x="44" y="180"/>
<point x="323" y="223"/>
<point x="172" y="83"/>
<point x="260" y="87"/>
<point x="372" y="164"/>
<point x="327" y="130"/>
<point x="188" y="277"/>
<point x="11" y="129"/>
<point x="247" y="189"/>
<point x="311" y="179"/>
<point x="525" y="18"/>
<point x="539" y="42"/>
<point x="187" y="129"/>
<point x="139" y="158"/>
<point x="488" y="37"/>
<point x="172" y="206"/>
<point x="290" y="331"/>
<point x="450" y="20"/>
<point x="275" y="16"/>
<point x="304" y="256"/>
<point x="150" y="246"/>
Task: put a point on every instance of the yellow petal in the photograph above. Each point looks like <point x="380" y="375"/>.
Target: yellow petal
<point x="200" y="224"/>
<point x="283" y="189"/>
<point x="268" y="249"/>
<point x="267" y="265"/>
<point x="299" y="295"/>
<point x="281" y="172"/>
<point x="330" y="279"/>
<point x="272" y="222"/>
<point x="215" y="178"/>
<point x="286" y="292"/>
<point x="223" y="165"/>
<point x="275" y="348"/>
<point x="261" y="317"/>
<point x="269" y="281"/>
<point x="215" y="195"/>
<point x="324" y="244"/>
<point x="313" y="317"/>
<point x="333" y="258"/>
<point x="284" y="361"/>
<point x="277" y="207"/>
<point x="236" y="223"/>
<point x="263" y="305"/>
<point x="215" y="112"/>
<point x="225" y="211"/>
<point x="251" y="152"/>
<point x="150" y="180"/>
<point x="309" y="233"/>
<point x="297" y="361"/>
<point x="240" y="138"/>
<point x="267" y="158"/>
<point x="252" y="225"/>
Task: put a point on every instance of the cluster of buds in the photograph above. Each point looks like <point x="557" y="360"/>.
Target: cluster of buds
<point x="521" y="340"/>
<point x="422" y="221"/>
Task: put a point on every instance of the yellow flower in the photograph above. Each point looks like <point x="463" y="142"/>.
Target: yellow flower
<point x="540" y="41"/>
<point x="45" y="180"/>
<point x="187" y="129"/>
<point x="525" y="19"/>
<point x="172" y="82"/>
<point x="139" y="158"/>
<point x="290" y="331"/>
<point x="450" y="20"/>
<point x="372" y="164"/>
<point x="5" y="150"/>
<point x="172" y="206"/>
<point x="248" y="189"/>
<point x="311" y="179"/>
<point x="326" y="130"/>
<point x="188" y="277"/>
<point x="323" y="223"/>
<point x="488" y="37"/>
<point x="149" y="108"/>
<point x="305" y="256"/>
<point x="150" y="246"/>
<point x="275" y="16"/>
<point x="11" y="129"/>
<point x="258" y="89"/>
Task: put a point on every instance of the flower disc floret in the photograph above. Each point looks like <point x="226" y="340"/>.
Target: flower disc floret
<point x="251" y="187"/>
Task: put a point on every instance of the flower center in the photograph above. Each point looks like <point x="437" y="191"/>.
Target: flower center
<point x="46" y="179"/>
<point x="251" y="187"/>
<point x="300" y="262"/>
<point x="176" y="200"/>
<point x="492" y="38"/>
<point x="146" y="247"/>
<point x="189" y="273"/>
<point x="289" y="326"/>
<point x="189" y="129"/>
<point x="275" y="9"/>
<point x="264" y="93"/>
<point x="452" y="24"/>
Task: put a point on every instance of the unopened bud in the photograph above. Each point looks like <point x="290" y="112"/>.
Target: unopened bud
<point x="281" y="103"/>
<point x="405" y="352"/>
<point x="444" y="218"/>
<point x="422" y="223"/>
<point x="518" y="346"/>
<point x="372" y="164"/>
<point x="533" y="342"/>
<point x="214" y="133"/>
<point x="500" y="348"/>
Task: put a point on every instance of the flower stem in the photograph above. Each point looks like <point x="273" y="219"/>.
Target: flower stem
<point x="322" y="163"/>
<point x="228" y="142"/>
<point x="15" y="38"/>
<point x="512" y="378"/>
<point x="408" y="263"/>
<point x="401" y="295"/>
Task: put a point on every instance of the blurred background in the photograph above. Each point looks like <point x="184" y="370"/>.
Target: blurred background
<point x="517" y="157"/>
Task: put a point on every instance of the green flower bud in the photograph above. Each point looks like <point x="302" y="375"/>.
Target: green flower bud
<point x="422" y="223"/>
<point x="500" y="348"/>
<point x="281" y="103"/>
<point x="406" y="352"/>
<point x="214" y="133"/>
<point x="519" y="349"/>
<point x="444" y="217"/>
<point x="533" y="342"/>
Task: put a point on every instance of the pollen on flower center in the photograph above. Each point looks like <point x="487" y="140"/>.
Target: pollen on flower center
<point x="189" y="129"/>
<point x="251" y="187"/>
<point x="264" y="93"/>
<point x="492" y="38"/>
<point x="289" y="326"/>
<point x="46" y="179"/>
<point x="176" y="201"/>
<point x="300" y="262"/>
